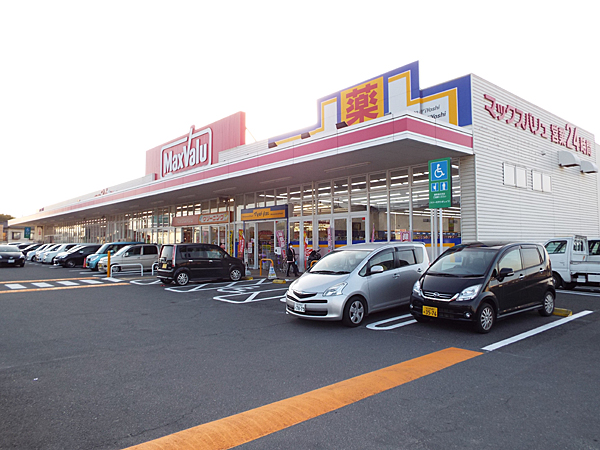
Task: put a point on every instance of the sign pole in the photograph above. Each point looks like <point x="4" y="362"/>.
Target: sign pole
<point x="441" y="232"/>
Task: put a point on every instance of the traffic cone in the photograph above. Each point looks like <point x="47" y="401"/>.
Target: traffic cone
<point x="272" y="273"/>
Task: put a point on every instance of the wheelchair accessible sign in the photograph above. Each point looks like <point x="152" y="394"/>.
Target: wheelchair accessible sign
<point x="440" y="183"/>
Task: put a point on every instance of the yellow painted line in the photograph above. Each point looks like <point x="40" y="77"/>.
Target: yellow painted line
<point x="250" y="425"/>
<point x="63" y="287"/>
<point x="51" y="279"/>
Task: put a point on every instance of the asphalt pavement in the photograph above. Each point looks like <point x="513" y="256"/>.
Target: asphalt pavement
<point x="93" y="363"/>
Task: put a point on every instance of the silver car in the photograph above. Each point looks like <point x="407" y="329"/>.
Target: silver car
<point x="355" y="280"/>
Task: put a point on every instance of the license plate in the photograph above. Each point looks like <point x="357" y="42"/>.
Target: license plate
<point x="11" y="260"/>
<point x="429" y="311"/>
<point x="164" y="266"/>
<point x="299" y="307"/>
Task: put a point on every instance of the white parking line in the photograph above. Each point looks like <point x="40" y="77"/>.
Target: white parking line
<point x="15" y="286"/>
<point x="43" y="285"/>
<point x="535" y="331"/>
<point x="114" y="280"/>
<point x="91" y="281"/>
<point x="68" y="283"/>
<point x="376" y="325"/>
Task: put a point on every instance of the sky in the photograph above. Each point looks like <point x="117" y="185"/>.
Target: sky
<point x="87" y="87"/>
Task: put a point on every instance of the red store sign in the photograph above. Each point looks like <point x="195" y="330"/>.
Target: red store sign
<point x="567" y="137"/>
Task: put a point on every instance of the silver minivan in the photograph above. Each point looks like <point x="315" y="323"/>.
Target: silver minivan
<point x="355" y="280"/>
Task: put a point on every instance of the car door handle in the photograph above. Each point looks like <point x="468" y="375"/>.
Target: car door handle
<point x="191" y="260"/>
<point x="396" y="275"/>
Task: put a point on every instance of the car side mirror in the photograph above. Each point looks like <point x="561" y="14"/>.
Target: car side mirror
<point x="505" y="272"/>
<point x="125" y="255"/>
<point x="376" y="269"/>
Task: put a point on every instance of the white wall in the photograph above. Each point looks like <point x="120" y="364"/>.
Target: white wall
<point x="512" y="213"/>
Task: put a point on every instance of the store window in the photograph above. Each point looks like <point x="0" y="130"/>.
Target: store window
<point x="358" y="194"/>
<point x="340" y="196"/>
<point x="324" y="198"/>
<point x="282" y="197"/>
<point x="307" y="200"/>
<point x="295" y="201"/>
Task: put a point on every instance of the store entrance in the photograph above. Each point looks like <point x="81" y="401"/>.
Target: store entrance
<point x="265" y="240"/>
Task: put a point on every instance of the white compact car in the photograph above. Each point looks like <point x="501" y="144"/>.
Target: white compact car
<point x="49" y="255"/>
<point x="356" y="280"/>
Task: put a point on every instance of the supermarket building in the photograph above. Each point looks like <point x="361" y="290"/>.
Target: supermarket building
<point x="360" y="174"/>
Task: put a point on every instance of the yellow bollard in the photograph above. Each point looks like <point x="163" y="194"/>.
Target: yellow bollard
<point x="108" y="265"/>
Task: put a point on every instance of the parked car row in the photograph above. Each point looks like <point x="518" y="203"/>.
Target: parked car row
<point x="477" y="283"/>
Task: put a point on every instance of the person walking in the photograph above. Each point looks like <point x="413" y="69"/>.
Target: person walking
<point x="291" y="260"/>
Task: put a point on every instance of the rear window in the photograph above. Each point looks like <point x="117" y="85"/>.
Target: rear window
<point x="166" y="252"/>
<point x="531" y="257"/>
<point x="150" y="250"/>
<point x="406" y="257"/>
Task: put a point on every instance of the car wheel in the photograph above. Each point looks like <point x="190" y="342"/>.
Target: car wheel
<point x="485" y="318"/>
<point x="23" y="265"/>
<point x="182" y="278"/>
<point x="235" y="274"/>
<point x="354" y="312"/>
<point x="115" y="269"/>
<point x="557" y="280"/>
<point x="569" y="286"/>
<point x="70" y="264"/>
<point x="548" y="306"/>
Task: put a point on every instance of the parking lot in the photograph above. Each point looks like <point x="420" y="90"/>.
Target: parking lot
<point x="107" y="363"/>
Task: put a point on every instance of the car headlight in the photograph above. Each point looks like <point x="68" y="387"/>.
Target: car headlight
<point x="417" y="287"/>
<point x="469" y="293"/>
<point x="335" y="290"/>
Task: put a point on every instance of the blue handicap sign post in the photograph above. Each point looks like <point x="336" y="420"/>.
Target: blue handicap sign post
<point x="440" y="183"/>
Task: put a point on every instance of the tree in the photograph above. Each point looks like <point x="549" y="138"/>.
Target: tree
<point x="5" y="217"/>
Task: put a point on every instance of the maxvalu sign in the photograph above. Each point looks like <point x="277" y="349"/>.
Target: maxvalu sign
<point x="192" y="152"/>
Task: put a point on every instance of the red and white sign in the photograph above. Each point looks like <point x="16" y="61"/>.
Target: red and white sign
<point x="187" y="153"/>
<point x="567" y="136"/>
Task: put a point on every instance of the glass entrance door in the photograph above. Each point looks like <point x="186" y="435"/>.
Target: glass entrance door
<point x="266" y="241"/>
<point x="250" y="244"/>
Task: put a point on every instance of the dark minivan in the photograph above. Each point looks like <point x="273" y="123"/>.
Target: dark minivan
<point x="184" y="262"/>
<point x="484" y="282"/>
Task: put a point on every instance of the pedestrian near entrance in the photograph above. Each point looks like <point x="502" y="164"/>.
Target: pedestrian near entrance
<point x="291" y="260"/>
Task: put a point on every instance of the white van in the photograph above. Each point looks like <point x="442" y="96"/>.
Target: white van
<point x="131" y="257"/>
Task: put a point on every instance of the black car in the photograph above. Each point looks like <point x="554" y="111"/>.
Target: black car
<point x="76" y="255"/>
<point x="10" y="255"/>
<point x="480" y="283"/>
<point x="184" y="262"/>
<point x="30" y="248"/>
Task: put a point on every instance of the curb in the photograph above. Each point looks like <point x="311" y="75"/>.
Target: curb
<point x="562" y="312"/>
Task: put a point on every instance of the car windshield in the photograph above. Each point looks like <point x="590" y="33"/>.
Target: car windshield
<point x="75" y="249"/>
<point x="8" y="248"/>
<point x="339" y="262"/>
<point x="464" y="262"/>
